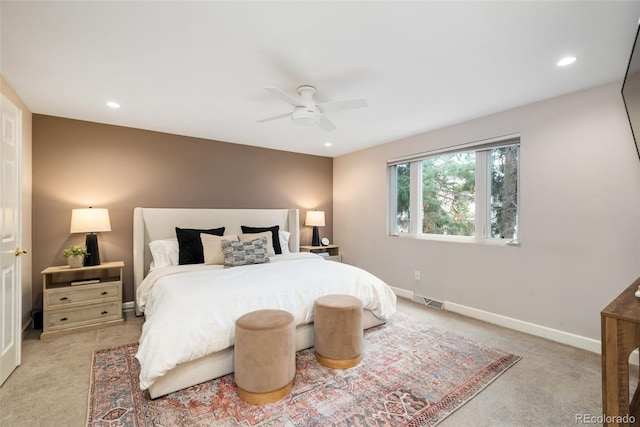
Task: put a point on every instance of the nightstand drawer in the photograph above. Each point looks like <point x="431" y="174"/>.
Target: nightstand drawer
<point x="89" y="294"/>
<point x="68" y="317"/>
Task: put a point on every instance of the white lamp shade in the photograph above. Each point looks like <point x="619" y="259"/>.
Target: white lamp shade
<point x="314" y="218"/>
<point x="90" y="220"/>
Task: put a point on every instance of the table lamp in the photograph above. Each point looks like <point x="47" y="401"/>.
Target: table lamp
<point x="315" y="219"/>
<point x="90" y="221"/>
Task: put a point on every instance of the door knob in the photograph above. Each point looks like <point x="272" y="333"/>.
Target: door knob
<point x="19" y="251"/>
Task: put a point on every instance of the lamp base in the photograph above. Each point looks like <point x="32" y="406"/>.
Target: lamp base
<point x="93" y="258"/>
<point x="315" y="240"/>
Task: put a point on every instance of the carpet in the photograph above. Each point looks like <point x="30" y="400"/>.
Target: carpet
<point x="411" y="375"/>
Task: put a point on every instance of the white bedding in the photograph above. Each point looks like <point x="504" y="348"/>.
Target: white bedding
<point x="191" y="310"/>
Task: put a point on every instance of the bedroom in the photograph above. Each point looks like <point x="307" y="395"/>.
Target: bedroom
<point x="580" y="229"/>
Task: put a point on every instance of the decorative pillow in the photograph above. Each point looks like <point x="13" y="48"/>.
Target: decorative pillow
<point x="245" y="253"/>
<point x="284" y="241"/>
<point x="254" y="236"/>
<point x="274" y="235"/>
<point x="190" y="246"/>
<point x="212" y="247"/>
<point x="164" y="253"/>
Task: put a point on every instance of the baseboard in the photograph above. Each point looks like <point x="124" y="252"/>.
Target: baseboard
<point x="25" y="328"/>
<point x="128" y="306"/>
<point x="556" y="335"/>
<point x="403" y="293"/>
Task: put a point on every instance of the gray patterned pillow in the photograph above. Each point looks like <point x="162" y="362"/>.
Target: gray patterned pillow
<point x="244" y="253"/>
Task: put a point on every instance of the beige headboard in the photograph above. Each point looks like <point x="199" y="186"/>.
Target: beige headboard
<point x="151" y="224"/>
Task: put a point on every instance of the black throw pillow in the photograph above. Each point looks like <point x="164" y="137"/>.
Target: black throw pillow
<point x="190" y="246"/>
<point x="275" y="234"/>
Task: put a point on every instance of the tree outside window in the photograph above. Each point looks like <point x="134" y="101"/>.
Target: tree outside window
<point x="448" y="194"/>
<point x="470" y="193"/>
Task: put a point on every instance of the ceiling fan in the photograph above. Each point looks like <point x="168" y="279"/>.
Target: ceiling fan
<point x="307" y="112"/>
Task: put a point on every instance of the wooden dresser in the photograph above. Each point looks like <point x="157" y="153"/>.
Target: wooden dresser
<point x="82" y="298"/>
<point x="620" y="329"/>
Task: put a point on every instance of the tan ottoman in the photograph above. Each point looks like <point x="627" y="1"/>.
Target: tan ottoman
<point x="338" y="331"/>
<point x="265" y="355"/>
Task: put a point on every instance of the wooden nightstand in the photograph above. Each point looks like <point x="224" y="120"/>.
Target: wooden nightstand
<point x="333" y="251"/>
<point x="81" y="298"/>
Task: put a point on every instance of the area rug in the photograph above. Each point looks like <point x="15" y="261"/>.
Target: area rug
<point x="410" y="375"/>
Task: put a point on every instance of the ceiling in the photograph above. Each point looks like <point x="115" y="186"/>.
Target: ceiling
<point x="200" y="68"/>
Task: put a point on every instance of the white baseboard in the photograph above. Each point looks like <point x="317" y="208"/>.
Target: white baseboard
<point x="403" y="293"/>
<point x="556" y="335"/>
<point x="128" y="306"/>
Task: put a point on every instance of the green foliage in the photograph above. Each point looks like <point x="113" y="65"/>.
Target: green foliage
<point x="504" y="192"/>
<point x="403" y="193"/>
<point x="448" y="194"/>
<point x="75" y="251"/>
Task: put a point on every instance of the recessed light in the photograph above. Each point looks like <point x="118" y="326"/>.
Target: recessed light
<point x="567" y="60"/>
<point x="328" y="144"/>
<point x="113" y="104"/>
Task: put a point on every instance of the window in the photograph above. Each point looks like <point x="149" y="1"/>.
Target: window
<point x="448" y="194"/>
<point x="503" y="192"/>
<point x="402" y="191"/>
<point x="469" y="193"/>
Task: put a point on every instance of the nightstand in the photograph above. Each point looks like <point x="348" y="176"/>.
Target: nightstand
<point x="83" y="298"/>
<point x="330" y="252"/>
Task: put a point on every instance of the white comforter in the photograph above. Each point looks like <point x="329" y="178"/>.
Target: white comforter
<point x="191" y="310"/>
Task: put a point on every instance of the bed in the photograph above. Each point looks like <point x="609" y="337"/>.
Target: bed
<point x="190" y="310"/>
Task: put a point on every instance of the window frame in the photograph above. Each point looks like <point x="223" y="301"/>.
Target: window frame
<point x="482" y="233"/>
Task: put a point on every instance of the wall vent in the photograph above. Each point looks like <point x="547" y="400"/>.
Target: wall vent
<point x="428" y="301"/>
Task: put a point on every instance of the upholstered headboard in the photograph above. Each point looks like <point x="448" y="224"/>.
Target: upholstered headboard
<point x="151" y="224"/>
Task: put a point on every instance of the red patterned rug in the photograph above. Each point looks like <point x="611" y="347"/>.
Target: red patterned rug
<point x="410" y="375"/>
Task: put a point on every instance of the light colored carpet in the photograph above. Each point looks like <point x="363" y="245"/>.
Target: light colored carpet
<point x="549" y="386"/>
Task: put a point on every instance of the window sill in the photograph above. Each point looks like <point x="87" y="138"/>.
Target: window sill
<point x="457" y="239"/>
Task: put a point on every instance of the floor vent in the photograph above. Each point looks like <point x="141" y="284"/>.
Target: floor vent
<point x="428" y="301"/>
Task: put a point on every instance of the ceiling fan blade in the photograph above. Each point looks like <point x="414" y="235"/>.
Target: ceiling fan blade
<point x="279" y="116"/>
<point x="326" y="124"/>
<point x="285" y="96"/>
<point x="330" y="106"/>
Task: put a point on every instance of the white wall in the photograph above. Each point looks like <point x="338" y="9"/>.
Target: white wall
<point x="579" y="216"/>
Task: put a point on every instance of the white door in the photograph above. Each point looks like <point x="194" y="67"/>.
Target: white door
<point x="10" y="215"/>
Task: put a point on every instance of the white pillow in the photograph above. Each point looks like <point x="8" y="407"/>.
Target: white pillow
<point x="212" y="247"/>
<point x="284" y="241"/>
<point x="164" y="252"/>
<point x="252" y="236"/>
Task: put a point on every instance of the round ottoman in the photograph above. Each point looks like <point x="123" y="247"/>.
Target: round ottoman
<point x="337" y="331"/>
<point x="265" y="355"/>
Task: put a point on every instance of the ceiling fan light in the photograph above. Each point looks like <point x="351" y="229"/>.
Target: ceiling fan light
<point x="306" y="116"/>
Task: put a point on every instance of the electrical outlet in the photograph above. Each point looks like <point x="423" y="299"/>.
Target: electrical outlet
<point x="416" y="275"/>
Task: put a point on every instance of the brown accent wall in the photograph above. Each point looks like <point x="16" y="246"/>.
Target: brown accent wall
<point x="78" y="164"/>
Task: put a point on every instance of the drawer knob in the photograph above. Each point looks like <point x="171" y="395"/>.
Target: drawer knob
<point x="105" y="312"/>
<point x="105" y="293"/>
<point x="64" y="299"/>
<point x="63" y="319"/>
